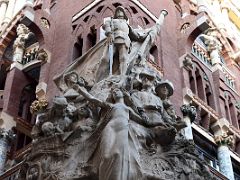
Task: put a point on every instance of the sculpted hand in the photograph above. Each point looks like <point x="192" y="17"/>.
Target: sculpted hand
<point x="76" y="87"/>
<point x="110" y="39"/>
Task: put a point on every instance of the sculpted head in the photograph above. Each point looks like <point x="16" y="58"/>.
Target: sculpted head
<point x="84" y="112"/>
<point x="164" y="89"/>
<point x="147" y="79"/>
<point x="22" y="29"/>
<point x="120" y="13"/>
<point x="117" y="94"/>
<point x="71" y="78"/>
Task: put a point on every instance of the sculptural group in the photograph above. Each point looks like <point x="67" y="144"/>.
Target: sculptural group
<point x="115" y="120"/>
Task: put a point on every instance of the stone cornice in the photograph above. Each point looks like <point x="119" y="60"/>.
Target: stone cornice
<point x="205" y="106"/>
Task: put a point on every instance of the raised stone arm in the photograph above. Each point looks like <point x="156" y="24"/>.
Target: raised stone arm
<point x="88" y="96"/>
<point x="160" y="20"/>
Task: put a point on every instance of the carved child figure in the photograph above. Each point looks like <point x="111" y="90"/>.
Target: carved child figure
<point x="84" y="121"/>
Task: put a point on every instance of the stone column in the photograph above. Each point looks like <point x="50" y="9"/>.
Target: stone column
<point x="3" y="9"/>
<point x="224" y="158"/>
<point x="202" y="7"/>
<point x="19" y="44"/>
<point x="9" y="12"/>
<point x="5" y="139"/>
<point x="189" y="114"/>
<point x="220" y="129"/>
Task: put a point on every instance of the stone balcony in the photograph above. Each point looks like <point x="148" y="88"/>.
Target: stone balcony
<point x="202" y="55"/>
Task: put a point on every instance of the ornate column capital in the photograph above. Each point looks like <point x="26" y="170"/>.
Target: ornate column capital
<point x="38" y="106"/>
<point x="224" y="139"/>
<point x="189" y="111"/>
<point x="220" y="130"/>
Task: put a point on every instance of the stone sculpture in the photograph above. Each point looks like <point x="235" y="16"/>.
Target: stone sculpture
<point x="214" y="46"/>
<point x="120" y="126"/>
<point x="23" y="34"/>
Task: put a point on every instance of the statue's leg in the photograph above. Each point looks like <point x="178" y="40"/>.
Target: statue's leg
<point x="123" y="54"/>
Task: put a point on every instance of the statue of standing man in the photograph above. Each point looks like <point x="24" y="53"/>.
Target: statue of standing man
<point x="119" y="35"/>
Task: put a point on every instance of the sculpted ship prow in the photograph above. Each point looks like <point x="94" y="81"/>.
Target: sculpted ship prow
<point x="115" y="120"/>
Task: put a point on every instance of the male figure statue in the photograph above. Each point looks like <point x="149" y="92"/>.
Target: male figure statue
<point x="119" y="34"/>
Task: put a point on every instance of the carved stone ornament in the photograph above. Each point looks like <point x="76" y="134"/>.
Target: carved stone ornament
<point x="189" y="111"/>
<point x="42" y="55"/>
<point x="115" y="120"/>
<point x="224" y="139"/>
<point x="38" y="106"/>
<point x="211" y="39"/>
<point x="45" y="23"/>
<point x="23" y="34"/>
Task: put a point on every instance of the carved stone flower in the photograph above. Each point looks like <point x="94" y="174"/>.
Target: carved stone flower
<point x="38" y="106"/>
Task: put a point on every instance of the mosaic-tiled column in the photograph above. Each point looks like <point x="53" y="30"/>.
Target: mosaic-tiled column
<point x="5" y="139"/>
<point x="224" y="158"/>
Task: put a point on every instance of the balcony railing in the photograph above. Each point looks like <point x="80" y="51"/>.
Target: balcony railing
<point x="201" y="54"/>
<point x="12" y="173"/>
<point x="21" y="152"/>
<point x="31" y="54"/>
<point x="229" y="78"/>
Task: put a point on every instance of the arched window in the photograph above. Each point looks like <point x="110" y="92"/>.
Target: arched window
<point x="154" y="54"/>
<point x="3" y="75"/>
<point x="91" y="37"/>
<point x="78" y="48"/>
<point x="26" y="99"/>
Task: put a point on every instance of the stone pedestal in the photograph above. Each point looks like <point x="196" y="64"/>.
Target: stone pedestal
<point x="18" y="54"/>
<point x="225" y="162"/>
